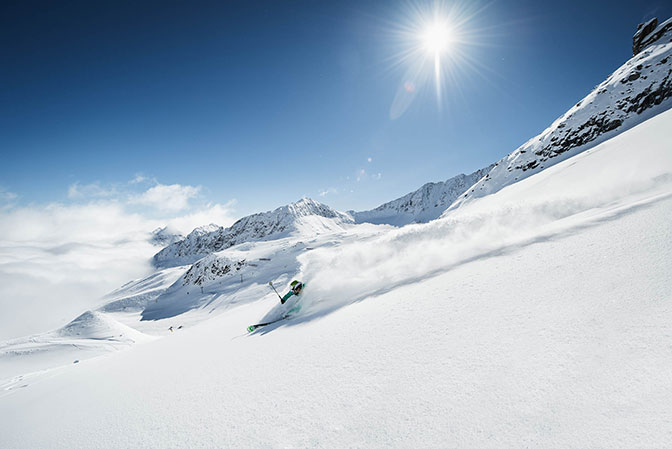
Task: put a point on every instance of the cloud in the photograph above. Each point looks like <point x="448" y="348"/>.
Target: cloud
<point x="161" y="197"/>
<point x="138" y="179"/>
<point x="93" y="190"/>
<point x="171" y="198"/>
<point x="220" y="214"/>
<point x="370" y="159"/>
<point x="7" y="196"/>
<point x="57" y="260"/>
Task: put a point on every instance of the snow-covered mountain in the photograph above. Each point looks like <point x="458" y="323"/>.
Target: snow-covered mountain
<point x="636" y="91"/>
<point x="164" y="236"/>
<point x="304" y="215"/>
<point x="425" y="204"/>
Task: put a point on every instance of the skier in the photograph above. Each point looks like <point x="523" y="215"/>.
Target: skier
<point x="295" y="289"/>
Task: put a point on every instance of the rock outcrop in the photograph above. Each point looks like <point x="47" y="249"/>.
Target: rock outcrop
<point x="649" y="33"/>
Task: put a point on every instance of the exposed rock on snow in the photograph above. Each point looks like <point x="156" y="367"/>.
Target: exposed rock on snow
<point x="211" y="268"/>
<point x="649" y="32"/>
<point x="636" y="91"/>
<point x="164" y="237"/>
<point x="304" y="215"/>
<point x="425" y="204"/>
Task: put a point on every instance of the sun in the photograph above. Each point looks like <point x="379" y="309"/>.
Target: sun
<point x="433" y="42"/>
<point x="437" y="37"/>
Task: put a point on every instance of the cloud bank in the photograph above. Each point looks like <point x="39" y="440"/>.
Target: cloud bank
<point x="59" y="259"/>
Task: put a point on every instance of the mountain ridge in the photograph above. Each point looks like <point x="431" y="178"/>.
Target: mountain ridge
<point x="305" y="214"/>
<point x="422" y="205"/>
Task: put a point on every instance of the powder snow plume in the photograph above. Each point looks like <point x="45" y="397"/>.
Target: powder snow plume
<point x="620" y="180"/>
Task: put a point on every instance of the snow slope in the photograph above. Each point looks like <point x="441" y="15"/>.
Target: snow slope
<point x="171" y="299"/>
<point x="304" y="216"/>
<point x="539" y="316"/>
<point x="636" y="91"/>
<point x="235" y="276"/>
<point x="89" y="335"/>
<point x="425" y="204"/>
<point x="112" y="327"/>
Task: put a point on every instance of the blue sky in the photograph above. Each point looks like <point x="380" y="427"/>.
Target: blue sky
<point x="268" y="101"/>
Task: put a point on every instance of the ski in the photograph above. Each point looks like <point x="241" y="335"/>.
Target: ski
<point x="254" y="327"/>
<point x="289" y="314"/>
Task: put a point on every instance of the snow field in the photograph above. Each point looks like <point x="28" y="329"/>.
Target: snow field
<point x="535" y="317"/>
<point x="492" y="353"/>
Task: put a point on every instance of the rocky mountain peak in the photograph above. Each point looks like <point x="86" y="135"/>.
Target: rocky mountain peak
<point x="306" y="215"/>
<point x="649" y="33"/>
<point x="164" y="236"/>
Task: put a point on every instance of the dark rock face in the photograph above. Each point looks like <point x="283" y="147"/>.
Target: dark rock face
<point x="211" y="269"/>
<point x="574" y="137"/>
<point x="651" y="96"/>
<point x="643" y="30"/>
<point x="648" y="33"/>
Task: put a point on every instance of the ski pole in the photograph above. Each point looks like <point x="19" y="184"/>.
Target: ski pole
<point x="276" y="292"/>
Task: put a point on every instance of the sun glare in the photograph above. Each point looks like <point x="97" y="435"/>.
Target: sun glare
<point x="437" y="37"/>
<point x="433" y="39"/>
